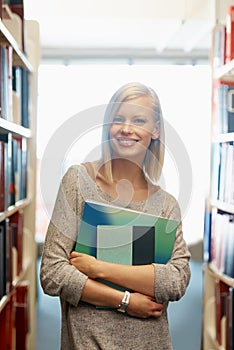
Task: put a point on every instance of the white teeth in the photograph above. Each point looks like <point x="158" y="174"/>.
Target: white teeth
<point x="127" y="142"/>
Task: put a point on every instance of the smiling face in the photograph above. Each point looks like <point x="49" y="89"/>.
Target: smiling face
<point x="133" y="128"/>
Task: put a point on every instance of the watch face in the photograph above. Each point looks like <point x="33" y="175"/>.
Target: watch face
<point x="122" y="307"/>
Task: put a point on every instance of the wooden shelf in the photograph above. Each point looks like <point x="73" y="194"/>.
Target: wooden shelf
<point x="14" y="208"/>
<point x="228" y="137"/>
<point x="19" y="59"/>
<point x="6" y="126"/>
<point x="215" y="273"/>
<point x="225" y="73"/>
<point x="214" y="342"/>
<point x="19" y="279"/>
<point x="228" y="207"/>
<point x="4" y="301"/>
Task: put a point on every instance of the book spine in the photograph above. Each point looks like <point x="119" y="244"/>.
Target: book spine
<point x="2" y="176"/>
<point x="230" y="34"/>
<point x="21" y="316"/>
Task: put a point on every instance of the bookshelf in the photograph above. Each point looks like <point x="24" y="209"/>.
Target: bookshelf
<point x="18" y="111"/>
<point x="218" y="301"/>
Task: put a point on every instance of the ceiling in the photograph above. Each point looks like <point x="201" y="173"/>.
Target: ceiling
<point x="174" y="30"/>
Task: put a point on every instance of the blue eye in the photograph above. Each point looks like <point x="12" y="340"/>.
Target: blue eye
<point x="139" y="121"/>
<point x="117" y="119"/>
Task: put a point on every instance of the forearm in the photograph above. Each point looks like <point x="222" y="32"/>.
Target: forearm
<point x="102" y="295"/>
<point x="137" y="278"/>
<point x="99" y="294"/>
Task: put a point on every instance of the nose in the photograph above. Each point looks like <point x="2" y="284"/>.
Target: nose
<point x="126" y="128"/>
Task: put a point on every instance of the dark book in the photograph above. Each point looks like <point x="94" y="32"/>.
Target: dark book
<point x="230" y="321"/>
<point x="207" y="234"/>
<point x="1" y="85"/>
<point x="25" y="117"/>
<point x="2" y="175"/>
<point x="4" y="82"/>
<point x="5" y="138"/>
<point x="7" y="257"/>
<point x="2" y="263"/>
<point x="15" y="2"/>
<point x="20" y="85"/>
<point x="23" y="175"/>
<point x="7" y="324"/>
<point x="8" y="241"/>
<point x="11" y="173"/>
<point x="229" y="251"/>
<point x="143" y="245"/>
<point x="221" y="295"/>
<point x="16" y="225"/>
<point x="21" y="315"/>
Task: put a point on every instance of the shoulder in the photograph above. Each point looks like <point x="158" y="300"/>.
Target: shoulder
<point x="170" y="205"/>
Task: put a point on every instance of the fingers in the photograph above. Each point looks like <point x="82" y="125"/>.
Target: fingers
<point x="75" y="254"/>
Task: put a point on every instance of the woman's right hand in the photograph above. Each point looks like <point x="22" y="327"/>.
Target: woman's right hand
<point x="143" y="306"/>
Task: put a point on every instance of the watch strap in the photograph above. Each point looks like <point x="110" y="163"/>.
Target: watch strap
<point x="125" y="302"/>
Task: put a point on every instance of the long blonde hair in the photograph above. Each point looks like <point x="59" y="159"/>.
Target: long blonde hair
<point x="154" y="158"/>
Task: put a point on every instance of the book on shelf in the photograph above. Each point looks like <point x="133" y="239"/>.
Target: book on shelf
<point x="222" y="242"/>
<point x="20" y="85"/>
<point x="218" y="45"/>
<point x="13" y="169"/>
<point x="16" y="227"/>
<point x="224" y="314"/>
<point x="7" y="324"/>
<point x="207" y="234"/>
<point x="222" y="172"/>
<point x="3" y="150"/>
<point x="116" y="234"/>
<point x="6" y="62"/>
<point x="230" y="319"/>
<point x="229" y="53"/>
<point x="2" y="262"/>
<point x="223" y="107"/>
<point x="22" y="315"/>
<point x="20" y="167"/>
<point x="6" y="252"/>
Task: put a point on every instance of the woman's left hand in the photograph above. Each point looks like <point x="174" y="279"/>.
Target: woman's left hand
<point x="87" y="264"/>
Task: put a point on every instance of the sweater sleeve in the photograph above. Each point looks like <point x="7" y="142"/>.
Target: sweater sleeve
<point x="58" y="277"/>
<point x="172" y="279"/>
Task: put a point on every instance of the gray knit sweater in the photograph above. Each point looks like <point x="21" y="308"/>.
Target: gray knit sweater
<point x="85" y="327"/>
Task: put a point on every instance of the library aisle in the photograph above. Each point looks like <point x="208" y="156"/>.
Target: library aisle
<point x="185" y="316"/>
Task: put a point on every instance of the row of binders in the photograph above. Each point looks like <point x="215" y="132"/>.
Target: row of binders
<point x="222" y="172"/>
<point x="11" y="251"/>
<point x="13" y="170"/>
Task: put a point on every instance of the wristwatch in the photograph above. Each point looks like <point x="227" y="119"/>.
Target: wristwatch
<point x="124" y="303"/>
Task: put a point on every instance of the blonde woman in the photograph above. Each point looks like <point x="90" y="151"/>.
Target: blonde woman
<point x="126" y="176"/>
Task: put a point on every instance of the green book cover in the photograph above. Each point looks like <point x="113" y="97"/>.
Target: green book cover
<point x="101" y="214"/>
<point x="114" y="245"/>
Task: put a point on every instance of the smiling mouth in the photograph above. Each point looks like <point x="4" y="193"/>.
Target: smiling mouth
<point x="127" y="142"/>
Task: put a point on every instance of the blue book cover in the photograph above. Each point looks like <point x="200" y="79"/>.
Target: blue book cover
<point x="160" y="243"/>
